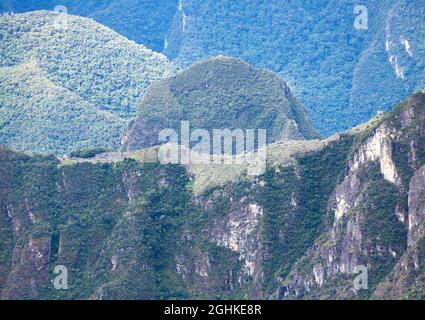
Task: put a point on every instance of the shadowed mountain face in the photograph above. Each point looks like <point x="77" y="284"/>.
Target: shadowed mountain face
<point x="219" y="93"/>
<point x="131" y="230"/>
<point x="68" y="82"/>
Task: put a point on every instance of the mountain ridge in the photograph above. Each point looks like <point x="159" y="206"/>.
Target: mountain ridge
<point x="219" y="93"/>
<point x="240" y="239"/>
<point x="105" y="73"/>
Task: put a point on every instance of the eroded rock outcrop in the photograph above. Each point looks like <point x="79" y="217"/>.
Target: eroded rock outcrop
<point x="356" y="237"/>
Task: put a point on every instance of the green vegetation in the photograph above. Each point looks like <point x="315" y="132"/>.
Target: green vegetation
<point x="342" y="75"/>
<point x="146" y="22"/>
<point x="134" y="230"/>
<point x="85" y="222"/>
<point x="219" y="93"/>
<point x="381" y="226"/>
<point x="297" y="206"/>
<point x="63" y="89"/>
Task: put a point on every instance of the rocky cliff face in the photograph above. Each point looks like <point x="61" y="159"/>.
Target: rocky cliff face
<point x="377" y="213"/>
<point x="406" y="279"/>
<point x="303" y="229"/>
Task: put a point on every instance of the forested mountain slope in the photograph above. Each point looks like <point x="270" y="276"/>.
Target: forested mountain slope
<point x="219" y="93"/>
<point x="374" y="217"/>
<point x="342" y="74"/>
<point x="131" y="230"/>
<point x="69" y="82"/>
<point x="146" y="22"/>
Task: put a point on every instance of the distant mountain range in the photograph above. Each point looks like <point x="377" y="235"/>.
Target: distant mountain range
<point x="341" y="74"/>
<point x="73" y="88"/>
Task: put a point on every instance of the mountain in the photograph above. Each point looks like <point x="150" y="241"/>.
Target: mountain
<point x="219" y="93"/>
<point x="375" y="217"/>
<point x="38" y="115"/>
<point x="337" y="71"/>
<point x="132" y="229"/>
<point x="392" y="66"/>
<point x="68" y="82"/>
<point x="145" y="22"/>
<point x="342" y="74"/>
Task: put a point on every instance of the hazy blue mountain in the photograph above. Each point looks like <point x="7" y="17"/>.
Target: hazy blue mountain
<point x="341" y="74"/>
<point x="144" y="21"/>
<point x="393" y="64"/>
